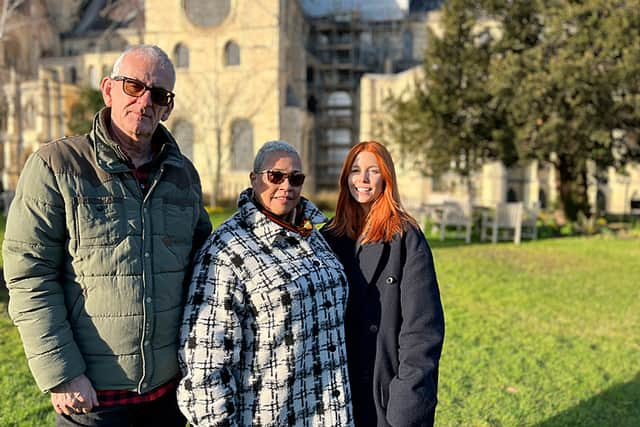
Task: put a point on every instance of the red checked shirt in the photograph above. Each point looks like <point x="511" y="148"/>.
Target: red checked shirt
<point x="143" y="173"/>
<point x="125" y="397"/>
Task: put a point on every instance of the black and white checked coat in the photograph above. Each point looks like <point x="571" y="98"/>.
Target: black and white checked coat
<point x="262" y="339"/>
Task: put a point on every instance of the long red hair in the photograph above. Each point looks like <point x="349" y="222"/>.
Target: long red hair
<point x="386" y="217"/>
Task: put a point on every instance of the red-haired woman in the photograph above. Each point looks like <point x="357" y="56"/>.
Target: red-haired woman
<point x="394" y="322"/>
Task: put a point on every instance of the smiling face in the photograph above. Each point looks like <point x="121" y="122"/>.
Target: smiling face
<point x="281" y="198"/>
<point x="137" y="117"/>
<point x="365" y="181"/>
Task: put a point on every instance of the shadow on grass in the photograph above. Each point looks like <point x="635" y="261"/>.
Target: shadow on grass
<point x="618" y="406"/>
<point x="436" y="243"/>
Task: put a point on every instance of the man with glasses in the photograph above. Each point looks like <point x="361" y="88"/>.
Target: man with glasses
<point x="98" y="243"/>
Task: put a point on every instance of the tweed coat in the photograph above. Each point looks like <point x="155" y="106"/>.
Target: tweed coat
<point x="262" y="340"/>
<point x="394" y="327"/>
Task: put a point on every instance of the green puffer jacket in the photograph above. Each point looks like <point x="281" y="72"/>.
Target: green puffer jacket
<point x="95" y="270"/>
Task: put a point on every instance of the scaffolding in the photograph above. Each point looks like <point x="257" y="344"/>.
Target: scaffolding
<point x="341" y="47"/>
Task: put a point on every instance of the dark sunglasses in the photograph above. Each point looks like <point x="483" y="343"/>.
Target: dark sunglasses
<point x="134" y="87"/>
<point x="296" y="179"/>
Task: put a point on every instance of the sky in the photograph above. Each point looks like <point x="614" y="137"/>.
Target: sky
<point x="369" y="9"/>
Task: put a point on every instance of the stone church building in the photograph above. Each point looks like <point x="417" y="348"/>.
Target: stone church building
<point x="311" y="72"/>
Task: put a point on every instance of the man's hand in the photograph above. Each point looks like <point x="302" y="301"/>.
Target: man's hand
<point x="74" y="397"/>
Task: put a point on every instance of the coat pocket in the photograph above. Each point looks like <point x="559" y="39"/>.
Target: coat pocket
<point x="179" y="221"/>
<point x="177" y="235"/>
<point x="100" y="221"/>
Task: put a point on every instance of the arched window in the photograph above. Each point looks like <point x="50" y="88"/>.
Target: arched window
<point x="93" y="77"/>
<point x="312" y="104"/>
<point x="241" y="145"/>
<point x="181" y="56"/>
<point x="407" y="45"/>
<point x="634" y="203"/>
<point x="29" y="116"/>
<point x="4" y="117"/>
<point x="183" y="132"/>
<point x="601" y="203"/>
<point x="542" y="199"/>
<point x="231" y="53"/>
<point x="72" y="75"/>
<point x="512" y="196"/>
<point x="310" y="74"/>
<point x="11" y="53"/>
<point x="339" y="104"/>
<point x="292" y="99"/>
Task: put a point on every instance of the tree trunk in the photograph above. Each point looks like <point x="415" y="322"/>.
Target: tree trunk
<point x="572" y="187"/>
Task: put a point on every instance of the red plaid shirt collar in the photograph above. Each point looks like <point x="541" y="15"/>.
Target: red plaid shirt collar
<point x="143" y="172"/>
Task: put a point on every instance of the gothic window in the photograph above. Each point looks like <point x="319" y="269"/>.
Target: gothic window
<point x="310" y="75"/>
<point x="601" y="203"/>
<point x="4" y="117"/>
<point x="181" y="56"/>
<point x="11" y="54"/>
<point x="312" y="104"/>
<point x="542" y="199"/>
<point x="231" y="53"/>
<point x="292" y="99"/>
<point x="93" y="77"/>
<point x="29" y="116"/>
<point x="241" y="145"/>
<point x="183" y="132"/>
<point x="72" y="75"/>
<point x="207" y="13"/>
<point x="407" y="45"/>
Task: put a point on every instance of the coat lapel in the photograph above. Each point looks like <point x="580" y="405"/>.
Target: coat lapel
<point x="370" y="256"/>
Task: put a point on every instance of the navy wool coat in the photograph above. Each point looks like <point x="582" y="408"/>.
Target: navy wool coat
<point x="394" y="328"/>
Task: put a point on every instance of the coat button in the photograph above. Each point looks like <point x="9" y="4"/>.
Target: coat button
<point x="391" y="280"/>
<point x="373" y="329"/>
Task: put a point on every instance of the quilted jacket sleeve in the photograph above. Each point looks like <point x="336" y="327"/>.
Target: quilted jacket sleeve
<point x="412" y="393"/>
<point x="210" y="343"/>
<point x="34" y="254"/>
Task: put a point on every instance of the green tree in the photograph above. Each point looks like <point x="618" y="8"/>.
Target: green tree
<point x="559" y="84"/>
<point x="83" y="110"/>
<point x="450" y="121"/>
<point x="567" y="73"/>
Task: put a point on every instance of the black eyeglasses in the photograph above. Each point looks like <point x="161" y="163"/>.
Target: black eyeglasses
<point x="134" y="87"/>
<point x="276" y="177"/>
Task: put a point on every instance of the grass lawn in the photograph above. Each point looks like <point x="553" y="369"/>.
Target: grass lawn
<point x="544" y="334"/>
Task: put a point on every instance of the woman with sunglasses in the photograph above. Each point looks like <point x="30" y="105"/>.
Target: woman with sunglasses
<point x="262" y="340"/>
<point x="394" y="321"/>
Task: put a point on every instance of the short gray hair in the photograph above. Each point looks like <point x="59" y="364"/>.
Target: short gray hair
<point x="152" y="52"/>
<point x="272" y="147"/>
